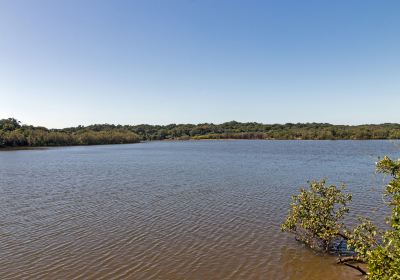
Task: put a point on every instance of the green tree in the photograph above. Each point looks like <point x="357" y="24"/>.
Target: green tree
<point x="9" y="124"/>
<point x="316" y="214"/>
<point x="380" y="249"/>
<point x="316" y="217"/>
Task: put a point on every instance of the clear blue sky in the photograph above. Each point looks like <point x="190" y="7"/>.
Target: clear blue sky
<point x="64" y="63"/>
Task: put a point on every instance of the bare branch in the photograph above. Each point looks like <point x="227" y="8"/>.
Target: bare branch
<point x="363" y="272"/>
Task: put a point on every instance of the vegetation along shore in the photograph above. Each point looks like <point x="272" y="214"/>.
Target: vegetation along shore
<point x="15" y="134"/>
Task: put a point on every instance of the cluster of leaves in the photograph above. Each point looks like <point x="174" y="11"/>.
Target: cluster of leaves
<point x="13" y="134"/>
<point x="318" y="211"/>
<point x="384" y="259"/>
<point x="316" y="214"/>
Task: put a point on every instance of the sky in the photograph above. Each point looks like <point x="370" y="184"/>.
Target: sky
<point x="80" y="62"/>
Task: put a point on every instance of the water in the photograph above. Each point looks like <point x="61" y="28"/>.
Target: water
<point x="173" y="210"/>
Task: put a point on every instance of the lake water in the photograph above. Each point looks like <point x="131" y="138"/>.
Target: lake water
<point x="174" y="210"/>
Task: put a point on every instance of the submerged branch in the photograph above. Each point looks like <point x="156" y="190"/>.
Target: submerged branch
<point x="348" y="261"/>
<point x="363" y="272"/>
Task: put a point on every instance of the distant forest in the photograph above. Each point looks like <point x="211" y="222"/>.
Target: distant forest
<point x="14" y="134"/>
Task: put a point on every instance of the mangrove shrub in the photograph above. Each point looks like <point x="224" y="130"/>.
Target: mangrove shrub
<point x="316" y="218"/>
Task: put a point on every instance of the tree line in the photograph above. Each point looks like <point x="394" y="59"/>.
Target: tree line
<point x="13" y="133"/>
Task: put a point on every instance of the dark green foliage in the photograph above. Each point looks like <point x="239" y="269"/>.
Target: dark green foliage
<point x="236" y="130"/>
<point x="12" y="133"/>
<point x="9" y="124"/>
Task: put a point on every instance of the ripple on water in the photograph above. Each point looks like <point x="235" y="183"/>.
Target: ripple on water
<point x="184" y="210"/>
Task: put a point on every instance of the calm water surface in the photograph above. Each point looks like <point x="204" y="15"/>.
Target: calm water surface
<point x="173" y="210"/>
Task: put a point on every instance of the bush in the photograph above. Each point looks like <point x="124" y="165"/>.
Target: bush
<point x="316" y="215"/>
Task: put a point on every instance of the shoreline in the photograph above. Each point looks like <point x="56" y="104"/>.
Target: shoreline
<point x="18" y="148"/>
